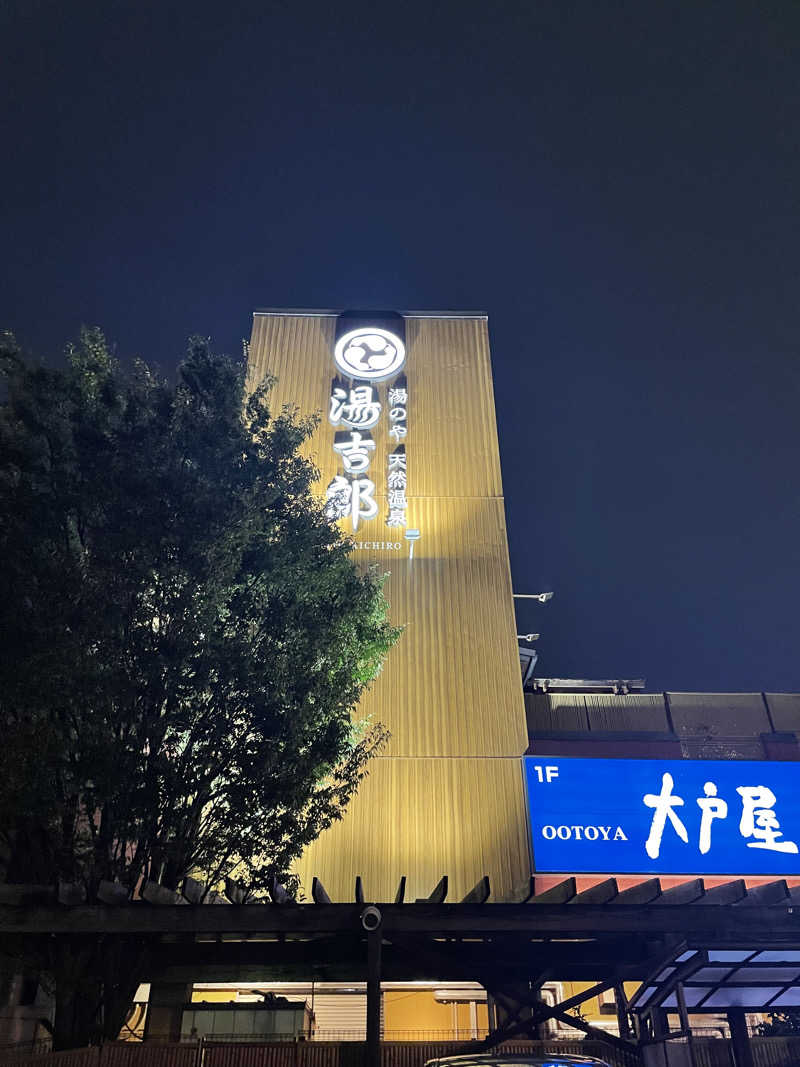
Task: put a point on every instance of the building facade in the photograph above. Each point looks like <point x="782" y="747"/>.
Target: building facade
<point x="489" y="771"/>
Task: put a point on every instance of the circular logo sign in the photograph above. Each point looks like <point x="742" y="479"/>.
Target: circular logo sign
<point x="370" y="354"/>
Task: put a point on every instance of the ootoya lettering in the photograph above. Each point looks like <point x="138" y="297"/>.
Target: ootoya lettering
<point x="580" y="833"/>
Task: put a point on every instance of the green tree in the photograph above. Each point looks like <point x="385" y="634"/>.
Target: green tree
<point x="184" y="636"/>
<point x="781" y="1024"/>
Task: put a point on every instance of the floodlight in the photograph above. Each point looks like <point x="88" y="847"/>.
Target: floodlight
<point x="411" y="536"/>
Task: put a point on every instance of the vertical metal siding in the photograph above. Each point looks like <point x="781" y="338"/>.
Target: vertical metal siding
<point x="451" y="687"/>
<point x="550" y="712"/>
<point x="425" y="818"/>
<point x="635" y="711"/>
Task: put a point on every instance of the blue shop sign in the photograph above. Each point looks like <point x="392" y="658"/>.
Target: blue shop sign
<point x="613" y="816"/>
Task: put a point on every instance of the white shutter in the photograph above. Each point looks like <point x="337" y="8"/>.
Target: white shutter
<point x="340" y="1016"/>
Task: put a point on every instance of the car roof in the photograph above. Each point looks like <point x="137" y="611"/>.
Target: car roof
<point x="484" y="1059"/>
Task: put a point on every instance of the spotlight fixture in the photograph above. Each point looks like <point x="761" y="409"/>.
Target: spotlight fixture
<point x="411" y="536"/>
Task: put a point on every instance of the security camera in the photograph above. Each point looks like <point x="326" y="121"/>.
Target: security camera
<point x="544" y="597"/>
<point x="371" y="918"/>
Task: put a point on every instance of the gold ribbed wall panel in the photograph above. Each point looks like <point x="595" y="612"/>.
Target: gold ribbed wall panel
<point x="451" y="687"/>
<point x="452" y="433"/>
<point x="425" y="818"/>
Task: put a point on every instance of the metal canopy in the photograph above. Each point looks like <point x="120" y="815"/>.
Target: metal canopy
<point x="709" y="949"/>
<point x="718" y="979"/>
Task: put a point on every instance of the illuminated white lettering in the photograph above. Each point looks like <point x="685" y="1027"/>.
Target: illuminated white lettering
<point x="358" y="409"/>
<point x="662" y="804"/>
<point x="355" y="452"/>
<point x="712" y="807"/>
<point x="760" y="821"/>
<point x="354" y="498"/>
<point x="580" y="833"/>
<point x="367" y="356"/>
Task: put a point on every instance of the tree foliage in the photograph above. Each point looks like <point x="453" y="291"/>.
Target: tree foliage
<point x="780" y="1024"/>
<point x="184" y="634"/>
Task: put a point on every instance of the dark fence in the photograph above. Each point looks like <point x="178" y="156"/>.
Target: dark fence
<point x="767" y="1051"/>
<point x="717" y="1052"/>
<point x="301" y="1054"/>
<point x="708" y="1052"/>
<point x="776" y="1051"/>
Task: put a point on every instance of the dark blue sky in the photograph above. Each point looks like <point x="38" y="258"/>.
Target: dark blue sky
<point x="615" y="183"/>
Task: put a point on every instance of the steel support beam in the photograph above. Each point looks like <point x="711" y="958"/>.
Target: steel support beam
<point x="740" y="1038"/>
<point x="374" y="939"/>
<point x="711" y="924"/>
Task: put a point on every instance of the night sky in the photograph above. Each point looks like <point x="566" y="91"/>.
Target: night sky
<point x="616" y="184"/>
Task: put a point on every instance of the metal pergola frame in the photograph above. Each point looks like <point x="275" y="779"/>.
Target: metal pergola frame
<point x="602" y="935"/>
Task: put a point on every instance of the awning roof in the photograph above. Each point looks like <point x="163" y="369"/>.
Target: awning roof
<point x="715" y="979"/>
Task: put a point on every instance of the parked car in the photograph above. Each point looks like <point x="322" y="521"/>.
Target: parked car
<point x="487" y="1059"/>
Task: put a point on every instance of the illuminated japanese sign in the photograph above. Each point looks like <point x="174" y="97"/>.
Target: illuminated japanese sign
<point x="396" y="474"/>
<point x="664" y="816"/>
<point x="368" y="355"/>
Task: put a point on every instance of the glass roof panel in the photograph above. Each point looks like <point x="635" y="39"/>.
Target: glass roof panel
<point x="765" y="974"/>
<point x="729" y="955"/>
<point x="693" y="994"/>
<point x="741" y="996"/>
<point x="711" y="974"/>
<point x="663" y="975"/>
<point x="790" y="998"/>
<point x="684" y="956"/>
<point x="777" y="955"/>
